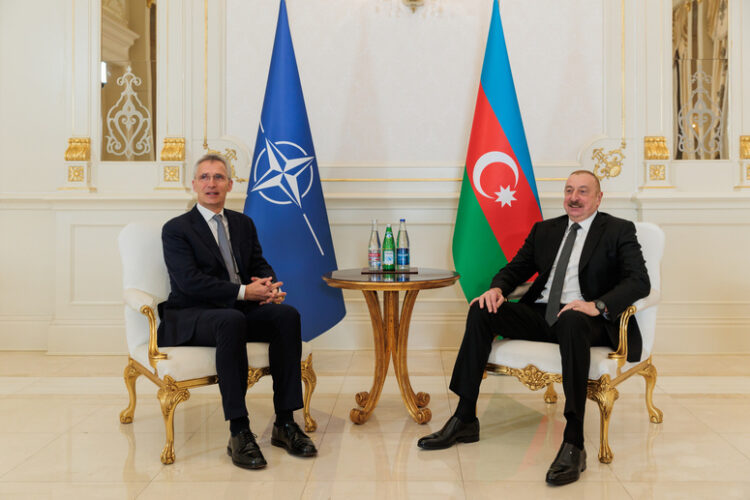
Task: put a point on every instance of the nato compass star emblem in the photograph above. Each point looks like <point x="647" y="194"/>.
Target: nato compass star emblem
<point x="287" y="176"/>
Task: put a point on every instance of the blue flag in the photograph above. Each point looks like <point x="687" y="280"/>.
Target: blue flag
<point x="284" y="196"/>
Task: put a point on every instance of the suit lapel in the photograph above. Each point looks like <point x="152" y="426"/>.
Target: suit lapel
<point x="595" y="233"/>
<point x="556" y="238"/>
<point x="200" y="226"/>
<point x="235" y="236"/>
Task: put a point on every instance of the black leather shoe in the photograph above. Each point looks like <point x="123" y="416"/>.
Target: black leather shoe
<point x="568" y="465"/>
<point x="244" y="451"/>
<point x="454" y="431"/>
<point x="290" y="437"/>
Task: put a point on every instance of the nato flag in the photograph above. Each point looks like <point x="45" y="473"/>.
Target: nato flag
<point x="284" y="196"/>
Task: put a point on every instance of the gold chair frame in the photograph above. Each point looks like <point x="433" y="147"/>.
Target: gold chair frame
<point x="173" y="392"/>
<point x="602" y="391"/>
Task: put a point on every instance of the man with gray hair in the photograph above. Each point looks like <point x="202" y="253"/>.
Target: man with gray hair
<point x="225" y="294"/>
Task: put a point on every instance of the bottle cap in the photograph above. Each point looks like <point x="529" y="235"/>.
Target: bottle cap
<point x="403" y="220"/>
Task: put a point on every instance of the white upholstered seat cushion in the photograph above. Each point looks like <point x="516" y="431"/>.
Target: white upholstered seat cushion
<point x="189" y="362"/>
<point x="546" y="356"/>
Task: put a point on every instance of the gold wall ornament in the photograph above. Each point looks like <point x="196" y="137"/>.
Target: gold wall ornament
<point x="745" y="147"/>
<point x="413" y="4"/>
<point x="171" y="174"/>
<point x="229" y="155"/>
<point x="75" y="173"/>
<point x="79" y="149"/>
<point x="657" y="172"/>
<point x="608" y="164"/>
<point x="655" y="148"/>
<point x="747" y="172"/>
<point x="174" y="149"/>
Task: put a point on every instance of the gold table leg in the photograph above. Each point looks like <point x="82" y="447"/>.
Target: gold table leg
<point x="415" y="403"/>
<point x="368" y="400"/>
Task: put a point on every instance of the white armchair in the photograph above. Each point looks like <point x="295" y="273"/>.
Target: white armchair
<point x="174" y="369"/>
<point x="537" y="364"/>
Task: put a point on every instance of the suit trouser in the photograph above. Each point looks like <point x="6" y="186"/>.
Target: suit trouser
<point x="574" y="331"/>
<point x="230" y="329"/>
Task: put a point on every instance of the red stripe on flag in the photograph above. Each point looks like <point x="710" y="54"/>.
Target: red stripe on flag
<point x="500" y="186"/>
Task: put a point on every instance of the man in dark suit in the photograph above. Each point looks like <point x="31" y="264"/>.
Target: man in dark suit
<point x="224" y="294"/>
<point x="590" y="269"/>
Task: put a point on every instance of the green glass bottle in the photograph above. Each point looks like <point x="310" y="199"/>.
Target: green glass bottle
<point x="389" y="250"/>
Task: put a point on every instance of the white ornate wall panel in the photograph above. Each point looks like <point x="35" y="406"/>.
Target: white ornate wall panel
<point x="390" y="96"/>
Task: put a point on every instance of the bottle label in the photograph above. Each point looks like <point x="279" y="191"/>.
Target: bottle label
<point x="402" y="256"/>
<point x="387" y="257"/>
<point x="374" y="260"/>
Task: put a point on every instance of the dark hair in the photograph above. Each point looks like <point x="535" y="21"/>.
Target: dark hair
<point x="592" y="174"/>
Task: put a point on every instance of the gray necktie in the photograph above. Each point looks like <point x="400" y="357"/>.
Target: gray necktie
<point x="224" y="248"/>
<point x="555" y="290"/>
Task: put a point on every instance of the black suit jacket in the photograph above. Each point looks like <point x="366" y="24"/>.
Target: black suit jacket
<point x="197" y="274"/>
<point x="611" y="269"/>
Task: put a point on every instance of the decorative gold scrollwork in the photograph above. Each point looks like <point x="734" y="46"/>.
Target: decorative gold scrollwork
<point x="531" y="376"/>
<point x="174" y="149"/>
<point x="79" y="149"/>
<point x="608" y="164"/>
<point x="655" y="148"/>
<point x="414" y="4"/>
<point x="255" y="374"/>
<point x="229" y="155"/>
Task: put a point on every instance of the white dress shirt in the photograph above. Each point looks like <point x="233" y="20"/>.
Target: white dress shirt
<point x="571" y="286"/>
<point x="213" y="224"/>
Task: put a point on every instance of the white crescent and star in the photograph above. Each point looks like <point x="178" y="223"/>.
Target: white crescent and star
<point x="505" y="196"/>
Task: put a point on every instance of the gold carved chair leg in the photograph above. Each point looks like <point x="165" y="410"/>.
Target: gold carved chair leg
<point x="649" y="374"/>
<point x="605" y="394"/>
<point x="310" y="380"/>
<point x="130" y="375"/>
<point x="170" y="395"/>
<point x="550" y="396"/>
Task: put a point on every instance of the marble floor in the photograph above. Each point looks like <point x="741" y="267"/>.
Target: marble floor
<point x="60" y="436"/>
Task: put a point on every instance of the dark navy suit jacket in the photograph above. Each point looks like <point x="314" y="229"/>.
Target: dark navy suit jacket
<point x="611" y="269"/>
<point x="197" y="274"/>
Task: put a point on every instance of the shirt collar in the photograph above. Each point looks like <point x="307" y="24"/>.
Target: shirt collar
<point x="585" y="224"/>
<point x="206" y="213"/>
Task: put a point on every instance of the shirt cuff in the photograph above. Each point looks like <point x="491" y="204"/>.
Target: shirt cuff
<point x="241" y="293"/>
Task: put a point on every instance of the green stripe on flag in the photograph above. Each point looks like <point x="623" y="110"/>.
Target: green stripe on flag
<point x="476" y="253"/>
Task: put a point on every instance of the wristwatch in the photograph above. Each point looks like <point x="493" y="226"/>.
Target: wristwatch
<point x="601" y="307"/>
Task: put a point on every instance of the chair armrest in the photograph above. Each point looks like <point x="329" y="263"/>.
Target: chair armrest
<point x="137" y="299"/>
<point x="621" y="354"/>
<point x="145" y="303"/>
<point x="651" y="299"/>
